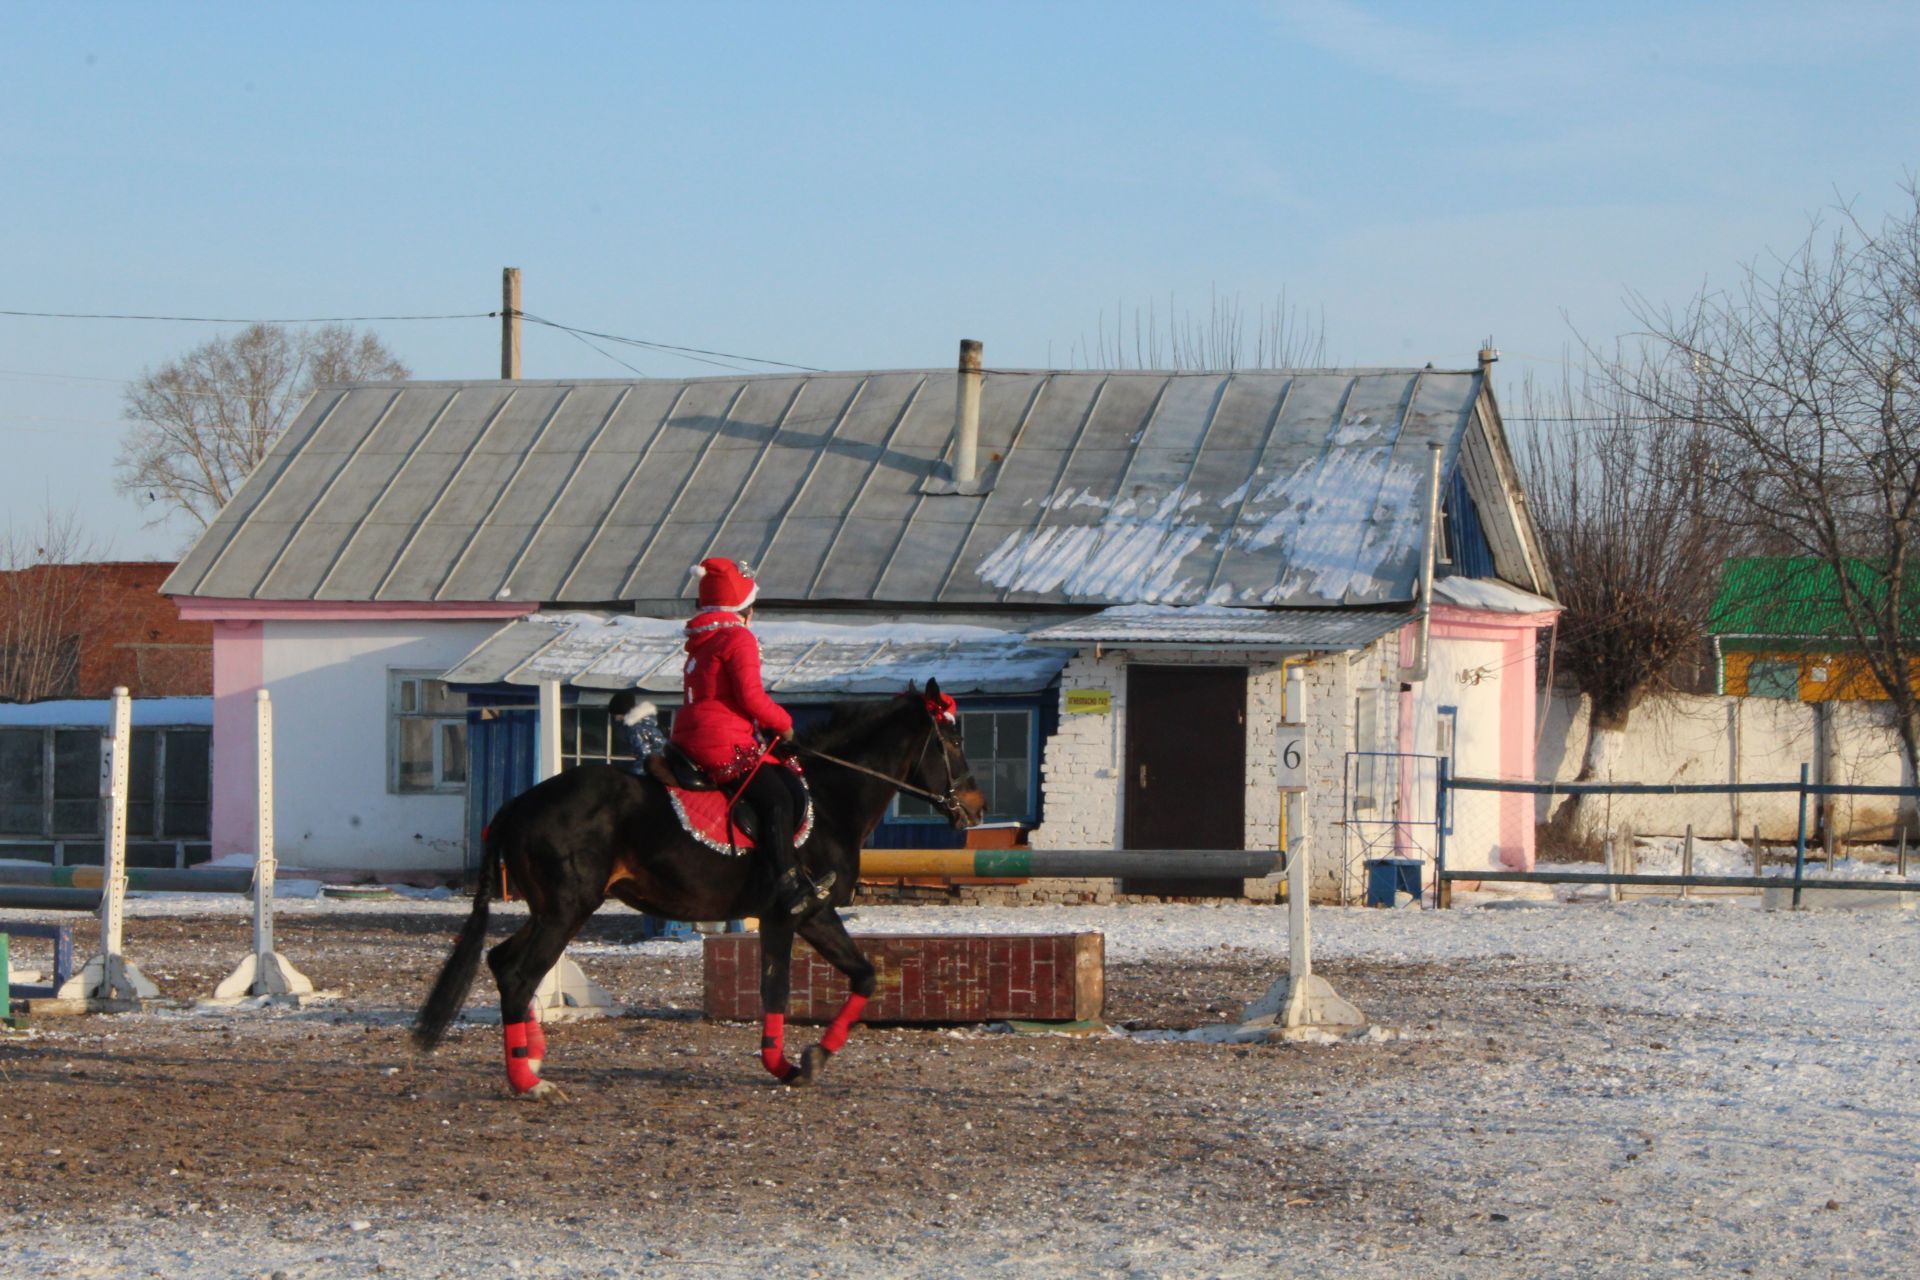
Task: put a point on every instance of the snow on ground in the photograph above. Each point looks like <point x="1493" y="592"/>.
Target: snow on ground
<point x="1656" y="1087"/>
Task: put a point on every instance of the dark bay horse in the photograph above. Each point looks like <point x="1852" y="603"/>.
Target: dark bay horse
<point x="597" y="831"/>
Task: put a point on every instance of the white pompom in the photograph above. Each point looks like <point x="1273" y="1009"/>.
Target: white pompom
<point x="640" y="711"/>
<point x="698" y="571"/>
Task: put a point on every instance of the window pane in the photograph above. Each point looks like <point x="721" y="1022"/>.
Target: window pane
<point x="83" y="855"/>
<point x="416" y="755"/>
<point x="188" y="773"/>
<point x="140" y="783"/>
<point x="435" y="697"/>
<point x="76" y="781"/>
<point x="153" y="855"/>
<point x="22" y="781"/>
<point x="453" y="751"/>
<point x="27" y="852"/>
<point x="409" y="695"/>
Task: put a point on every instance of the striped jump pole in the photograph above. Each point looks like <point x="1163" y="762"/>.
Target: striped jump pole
<point x="110" y="975"/>
<point x="265" y="972"/>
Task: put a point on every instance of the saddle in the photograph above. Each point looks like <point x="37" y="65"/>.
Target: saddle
<point x="701" y="803"/>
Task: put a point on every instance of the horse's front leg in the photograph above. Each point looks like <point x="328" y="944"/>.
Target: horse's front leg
<point x="827" y="934"/>
<point x="776" y="983"/>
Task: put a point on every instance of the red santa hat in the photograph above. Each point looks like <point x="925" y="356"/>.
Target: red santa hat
<point x="725" y="584"/>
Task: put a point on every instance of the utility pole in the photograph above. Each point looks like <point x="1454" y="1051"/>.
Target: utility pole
<point x="510" y="322"/>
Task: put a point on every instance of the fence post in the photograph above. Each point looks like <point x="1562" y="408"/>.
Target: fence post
<point x="1800" y="842"/>
<point x="1903" y="851"/>
<point x="1442" y="887"/>
<point x="1759" y="859"/>
<point x="1607" y="848"/>
<point x="1686" y="862"/>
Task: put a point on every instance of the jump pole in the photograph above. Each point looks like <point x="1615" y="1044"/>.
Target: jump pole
<point x="266" y="972"/>
<point x="110" y="977"/>
<point x="1301" y="1005"/>
<point x="566" y="991"/>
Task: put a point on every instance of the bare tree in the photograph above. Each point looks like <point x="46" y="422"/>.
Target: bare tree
<point x="203" y="422"/>
<point x="1627" y="523"/>
<point x="51" y="599"/>
<point x="1224" y="338"/>
<point x="1804" y="375"/>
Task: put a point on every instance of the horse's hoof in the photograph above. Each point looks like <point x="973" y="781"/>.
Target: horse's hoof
<point x="812" y="1063"/>
<point x="544" y="1091"/>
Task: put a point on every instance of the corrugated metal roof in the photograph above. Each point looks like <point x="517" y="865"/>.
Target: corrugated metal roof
<point x="1800" y="597"/>
<point x="1291" y="630"/>
<point x="1297" y="488"/>
<point x="600" y="651"/>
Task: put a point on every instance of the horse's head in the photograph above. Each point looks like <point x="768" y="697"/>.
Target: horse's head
<point x="941" y="766"/>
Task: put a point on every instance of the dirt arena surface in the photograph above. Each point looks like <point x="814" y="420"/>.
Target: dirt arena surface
<point x="316" y="1142"/>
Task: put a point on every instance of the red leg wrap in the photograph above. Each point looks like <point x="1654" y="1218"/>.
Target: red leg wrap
<point x="536" y="1037"/>
<point x="843" y="1023"/>
<point x="773" y="1036"/>
<point x="519" y="1073"/>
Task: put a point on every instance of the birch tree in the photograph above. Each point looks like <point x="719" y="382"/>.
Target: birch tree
<point x="201" y="423"/>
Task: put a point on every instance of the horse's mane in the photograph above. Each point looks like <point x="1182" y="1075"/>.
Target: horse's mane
<point x="849" y="721"/>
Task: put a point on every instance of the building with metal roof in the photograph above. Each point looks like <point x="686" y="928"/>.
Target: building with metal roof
<point x="442" y="582"/>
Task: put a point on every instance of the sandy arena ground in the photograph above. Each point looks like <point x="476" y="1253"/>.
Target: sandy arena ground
<point x="1568" y="1090"/>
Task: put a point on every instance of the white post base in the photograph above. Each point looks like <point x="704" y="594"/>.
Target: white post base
<point x="566" y="992"/>
<point x="270" y="975"/>
<point x="1308" y="1008"/>
<point x="108" y="978"/>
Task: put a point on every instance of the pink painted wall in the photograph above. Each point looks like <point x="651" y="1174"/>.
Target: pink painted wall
<point x="237" y="663"/>
<point x="1514" y="635"/>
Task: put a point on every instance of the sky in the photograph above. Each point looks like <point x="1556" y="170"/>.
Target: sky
<point x="860" y="186"/>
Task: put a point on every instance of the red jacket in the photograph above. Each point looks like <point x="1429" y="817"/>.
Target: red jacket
<point x="724" y="699"/>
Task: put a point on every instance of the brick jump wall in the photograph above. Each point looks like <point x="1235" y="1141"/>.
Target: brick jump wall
<point x="923" y="978"/>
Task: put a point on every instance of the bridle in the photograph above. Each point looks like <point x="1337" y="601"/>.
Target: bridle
<point x="947" y="801"/>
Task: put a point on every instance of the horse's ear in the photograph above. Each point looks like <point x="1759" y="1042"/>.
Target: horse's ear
<point x="933" y="690"/>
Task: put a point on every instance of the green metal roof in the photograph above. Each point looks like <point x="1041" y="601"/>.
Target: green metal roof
<point x="1798" y="597"/>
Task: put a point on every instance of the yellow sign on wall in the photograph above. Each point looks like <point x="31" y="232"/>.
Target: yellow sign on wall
<point x="1089" y="702"/>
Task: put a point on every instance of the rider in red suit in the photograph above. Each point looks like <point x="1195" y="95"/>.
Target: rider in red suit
<point x="725" y="711"/>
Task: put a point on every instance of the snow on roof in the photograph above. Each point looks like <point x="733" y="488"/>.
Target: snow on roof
<point x="97" y="713"/>
<point x="1287" y="630"/>
<point x="619" y="651"/>
<point x="1491" y="595"/>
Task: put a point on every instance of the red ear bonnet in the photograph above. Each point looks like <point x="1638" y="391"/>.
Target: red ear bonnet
<point x="943" y="709"/>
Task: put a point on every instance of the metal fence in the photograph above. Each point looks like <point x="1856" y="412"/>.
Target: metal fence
<point x="1683" y="836"/>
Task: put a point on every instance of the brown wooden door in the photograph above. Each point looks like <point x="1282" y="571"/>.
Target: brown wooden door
<point x="1186" y="768"/>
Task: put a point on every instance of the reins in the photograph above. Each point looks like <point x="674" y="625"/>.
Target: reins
<point x="947" y="802"/>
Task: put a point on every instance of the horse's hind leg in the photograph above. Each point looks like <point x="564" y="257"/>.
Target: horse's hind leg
<point x="827" y="934"/>
<point x="518" y="965"/>
<point x="776" y="980"/>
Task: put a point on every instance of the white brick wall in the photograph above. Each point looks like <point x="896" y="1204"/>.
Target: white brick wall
<point x="1082" y="770"/>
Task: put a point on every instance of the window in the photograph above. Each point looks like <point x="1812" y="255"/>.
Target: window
<point x="50" y="793"/>
<point x="999" y="745"/>
<point x="426" y="734"/>
<point x="1772" y="679"/>
<point x="588" y="735"/>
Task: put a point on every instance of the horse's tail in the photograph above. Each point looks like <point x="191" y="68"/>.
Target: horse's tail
<point x="450" y="989"/>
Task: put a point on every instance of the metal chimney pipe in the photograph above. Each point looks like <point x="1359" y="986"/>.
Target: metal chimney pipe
<point x="1412" y="672"/>
<point x="966" y="415"/>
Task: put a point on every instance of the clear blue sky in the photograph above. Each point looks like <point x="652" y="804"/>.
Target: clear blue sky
<point x="860" y="186"/>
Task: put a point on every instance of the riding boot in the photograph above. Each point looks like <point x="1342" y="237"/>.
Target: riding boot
<point x="798" y="895"/>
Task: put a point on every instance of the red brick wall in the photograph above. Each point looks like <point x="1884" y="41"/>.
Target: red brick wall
<point x="129" y="633"/>
<point x="1052" y="977"/>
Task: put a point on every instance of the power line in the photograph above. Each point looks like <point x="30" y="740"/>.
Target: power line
<point x="690" y="352"/>
<point x="104" y="315"/>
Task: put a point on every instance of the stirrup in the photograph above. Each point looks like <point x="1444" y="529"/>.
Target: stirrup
<point x="798" y="895"/>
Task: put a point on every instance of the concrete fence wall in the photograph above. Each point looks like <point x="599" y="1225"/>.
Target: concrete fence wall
<point x="1681" y="738"/>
